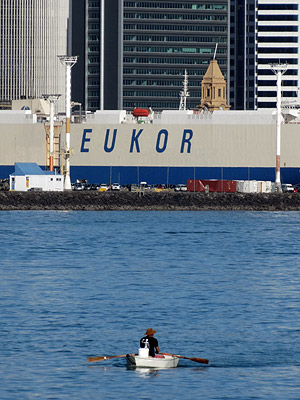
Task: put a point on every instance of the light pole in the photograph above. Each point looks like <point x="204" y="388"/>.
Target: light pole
<point x="68" y="62"/>
<point x="279" y="70"/>
<point x="52" y="99"/>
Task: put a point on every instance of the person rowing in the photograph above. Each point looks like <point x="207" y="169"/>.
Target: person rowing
<point x="150" y="342"/>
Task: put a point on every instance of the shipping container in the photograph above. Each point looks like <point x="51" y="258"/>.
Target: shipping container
<point x="270" y="187"/>
<point x="213" y="185"/>
<point x="195" y="185"/>
<point x="261" y="187"/>
<point x="248" y="186"/>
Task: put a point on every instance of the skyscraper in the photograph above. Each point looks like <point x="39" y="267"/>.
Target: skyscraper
<point x="242" y="54"/>
<point x="97" y="39"/>
<point x="161" y="40"/>
<point x="277" y="42"/>
<point x="147" y="47"/>
<point x="32" y="34"/>
<point x="263" y="32"/>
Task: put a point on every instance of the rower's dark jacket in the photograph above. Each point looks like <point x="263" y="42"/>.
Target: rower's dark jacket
<point x="151" y="343"/>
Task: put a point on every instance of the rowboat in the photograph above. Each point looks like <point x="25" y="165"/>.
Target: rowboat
<point x="167" y="361"/>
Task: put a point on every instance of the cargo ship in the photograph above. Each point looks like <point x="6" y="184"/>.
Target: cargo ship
<point x="168" y="147"/>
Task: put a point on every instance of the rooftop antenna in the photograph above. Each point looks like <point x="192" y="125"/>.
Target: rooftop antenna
<point x="184" y="94"/>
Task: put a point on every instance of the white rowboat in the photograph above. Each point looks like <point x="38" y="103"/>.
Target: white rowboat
<point x="133" y="360"/>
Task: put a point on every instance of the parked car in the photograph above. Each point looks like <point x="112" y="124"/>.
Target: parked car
<point x="78" y="186"/>
<point x="94" y="186"/>
<point x="4" y="184"/>
<point x="180" y="188"/>
<point x="115" y="186"/>
<point x="297" y="188"/>
<point x="103" y="187"/>
<point x="144" y="186"/>
<point x="287" y="188"/>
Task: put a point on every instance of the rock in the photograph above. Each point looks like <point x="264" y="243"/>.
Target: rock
<point x="98" y="201"/>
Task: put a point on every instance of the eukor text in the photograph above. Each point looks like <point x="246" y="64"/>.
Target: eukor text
<point x="135" y="146"/>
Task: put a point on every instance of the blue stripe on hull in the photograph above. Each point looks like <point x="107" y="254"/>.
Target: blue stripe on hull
<point x="6" y="170"/>
<point x="170" y="175"/>
<point x="175" y="175"/>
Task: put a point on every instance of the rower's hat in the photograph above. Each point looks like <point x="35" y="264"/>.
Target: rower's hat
<point x="150" y="332"/>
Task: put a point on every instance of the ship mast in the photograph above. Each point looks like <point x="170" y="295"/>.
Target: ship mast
<point x="184" y="94"/>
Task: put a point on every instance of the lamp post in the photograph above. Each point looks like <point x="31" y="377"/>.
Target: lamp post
<point x="68" y="62"/>
<point x="52" y="99"/>
<point x="279" y="70"/>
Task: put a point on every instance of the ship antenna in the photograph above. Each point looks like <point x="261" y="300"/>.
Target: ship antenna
<point x="184" y="94"/>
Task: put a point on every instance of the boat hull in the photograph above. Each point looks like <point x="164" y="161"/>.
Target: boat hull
<point x="134" y="361"/>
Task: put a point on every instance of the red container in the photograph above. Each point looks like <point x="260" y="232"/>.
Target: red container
<point x="195" y="185"/>
<point x="213" y="185"/>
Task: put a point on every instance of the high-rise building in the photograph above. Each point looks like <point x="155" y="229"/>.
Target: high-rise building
<point x="164" y="38"/>
<point x="242" y="54"/>
<point x="277" y="42"/>
<point x="263" y="32"/>
<point x="32" y="34"/>
<point x="97" y="39"/>
<point x="147" y="46"/>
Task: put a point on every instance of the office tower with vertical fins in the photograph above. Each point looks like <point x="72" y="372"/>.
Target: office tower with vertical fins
<point x="32" y="34"/>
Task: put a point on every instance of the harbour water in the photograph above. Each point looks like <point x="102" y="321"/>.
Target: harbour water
<point x="218" y="285"/>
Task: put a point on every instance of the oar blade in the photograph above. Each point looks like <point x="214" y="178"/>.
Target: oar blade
<point x="200" y="360"/>
<point x="94" y="359"/>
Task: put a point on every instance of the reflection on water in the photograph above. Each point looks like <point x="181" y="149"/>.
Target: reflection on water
<point x="146" y="372"/>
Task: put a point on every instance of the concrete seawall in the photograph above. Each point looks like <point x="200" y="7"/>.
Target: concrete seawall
<point x="96" y="201"/>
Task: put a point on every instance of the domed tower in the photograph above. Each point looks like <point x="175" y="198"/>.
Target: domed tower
<point x="213" y="89"/>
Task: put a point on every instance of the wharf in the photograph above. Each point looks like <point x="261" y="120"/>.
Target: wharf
<point x="163" y="201"/>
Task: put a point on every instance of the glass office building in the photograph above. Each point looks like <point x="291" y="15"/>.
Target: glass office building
<point x="161" y="40"/>
<point x="134" y="53"/>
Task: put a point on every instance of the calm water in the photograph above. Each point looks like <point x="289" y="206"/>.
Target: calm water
<point x="218" y="285"/>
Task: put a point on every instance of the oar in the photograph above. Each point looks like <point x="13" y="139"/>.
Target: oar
<point x="94" y="359"/>
<point x="196" y="359"/>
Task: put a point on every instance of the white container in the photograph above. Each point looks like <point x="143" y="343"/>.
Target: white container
<point x="261" y="186"/>
<point x="268" y="186"/>
<point x="239" y="186"/>
<point x="143" y="352"/>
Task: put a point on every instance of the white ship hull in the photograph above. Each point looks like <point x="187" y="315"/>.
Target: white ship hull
<point x="170" y="150"/>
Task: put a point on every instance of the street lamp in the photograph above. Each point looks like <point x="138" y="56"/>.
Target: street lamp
<point x="68" y="62"/>
<point x="279" y="70"/>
